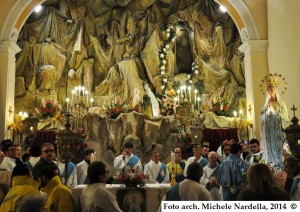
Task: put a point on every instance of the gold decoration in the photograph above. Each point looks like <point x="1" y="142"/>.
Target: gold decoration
<point x="273" y="80"/>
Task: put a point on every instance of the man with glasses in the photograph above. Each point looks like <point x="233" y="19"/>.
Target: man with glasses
<point x="179" y="166"/>
<point x="47" y="157"/>
<point x="9" y="161"/>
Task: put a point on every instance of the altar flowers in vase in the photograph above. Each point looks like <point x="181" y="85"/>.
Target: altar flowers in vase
<point x="221" y="105"/>
<point x="114" y="107"/>
<point x="128" y="178"/>
<point x="48" y="108"/>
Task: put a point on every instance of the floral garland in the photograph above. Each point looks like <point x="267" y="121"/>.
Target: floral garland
<point x="162" y="56"/>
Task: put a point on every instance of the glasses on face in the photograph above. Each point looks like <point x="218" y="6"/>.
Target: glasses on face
<point x="47" y="151"/>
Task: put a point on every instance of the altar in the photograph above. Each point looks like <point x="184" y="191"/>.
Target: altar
<point x="147" y="198"/>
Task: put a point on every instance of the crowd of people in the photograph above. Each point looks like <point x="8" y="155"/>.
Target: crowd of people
<point x="236" y="171"/>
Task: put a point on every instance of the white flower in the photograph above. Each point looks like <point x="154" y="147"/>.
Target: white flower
<point x="191" y="81"/>
<point x="165" y="80"/>
<point x="162" y="87"/>
<point x="167" y="46"/>
<point x="168" y="30"/>
<point x="196" y="72"/>
<point x="162" y="55"/>
<point x="173" y="39"/>
<point x="168" y="35"/>
<point x="188" y="76"/>
<point x="164" y="49"/>
<point x="130" y="176"/>
<point x="163" y="68"/>
<point x="162" y="73"/>
<point x="164" y="62"/>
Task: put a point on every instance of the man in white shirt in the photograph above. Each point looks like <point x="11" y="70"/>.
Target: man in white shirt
<point x="95" y="197"/>
<point x="35" y="152"/>
<point x="127" y="158"/>
<point x="9" y="161"/>
<point x="156" y="171"/>
<point x="197" y="158"/>
<point x="81" y="168"/>
<point x="208" y="179"/>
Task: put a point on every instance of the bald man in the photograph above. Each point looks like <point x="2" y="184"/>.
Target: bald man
<point x="208" y="179"/>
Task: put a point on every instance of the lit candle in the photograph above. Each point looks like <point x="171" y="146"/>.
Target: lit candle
<point x="173" y="159"/>
<point x="195" y="98"/>
<point x="73" y="93"/>
<point x="190" y="96"/>
<point x="234" y="114"/>
<point x="31" y="129"/>
<point x="91" y="100"/>
<point x="181" y="91"/>
<point x="241" y="114"/>
<point x="178" y="94"/>
<point x="67" y="100"/>
<point x="198" y="103"/>
<point x="175" y="102"/>
<point x="184" y="88"/>
<point x="87" y="97"/>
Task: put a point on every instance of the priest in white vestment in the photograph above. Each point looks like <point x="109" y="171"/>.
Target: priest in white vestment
<point x="127" y="158"/>
<point x="208" y="179"/>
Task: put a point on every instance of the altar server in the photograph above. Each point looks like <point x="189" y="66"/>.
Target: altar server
<point x="156" y="170"/>
<point x="81" y="168"/>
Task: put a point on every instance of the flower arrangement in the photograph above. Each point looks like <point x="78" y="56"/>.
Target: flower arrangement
<point x="80" y="144"/>
<point x="127" y="178"/>
<point x="184" y="138"/>
<point x="114" y="107"/>
<point x="48" y="108"/>
<point x="168" y="102"/>
<point x="221" y="106"/>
